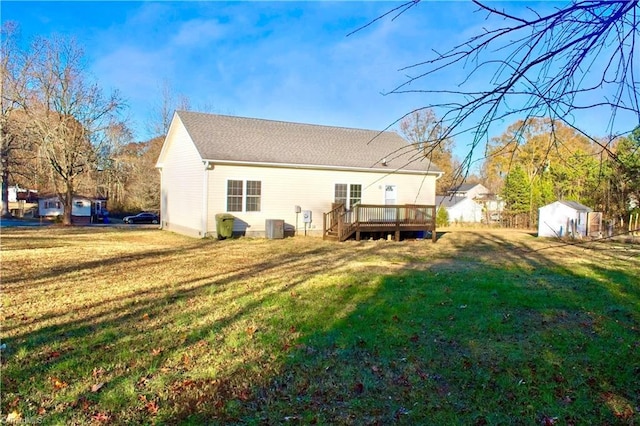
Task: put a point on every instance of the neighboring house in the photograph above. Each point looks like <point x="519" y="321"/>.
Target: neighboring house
<point x="261" y="170"/>
<point x="15" y="194"/>
<point x="470" y="190"/>
<point x="567" y="218"/>
<point x="460" y="209"/>
<point x="481" y="205"/>
<point x="83" y="210"/>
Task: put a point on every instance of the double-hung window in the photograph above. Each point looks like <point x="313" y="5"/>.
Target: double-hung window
<point x="244" y="195"/>
<point x="348" y="194"/>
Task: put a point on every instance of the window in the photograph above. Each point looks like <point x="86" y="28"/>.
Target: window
<point x="348" y="194"/>
<point x="52" y="205"/>
<point x="341" y="193"/>
<point x="253" y="195"/>
<point x="240" y="192"/>
<point x="234" y="196"/>
<point x="355" y="195"/>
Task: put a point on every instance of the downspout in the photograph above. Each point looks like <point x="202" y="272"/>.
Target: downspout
<point x="205" y="199"/>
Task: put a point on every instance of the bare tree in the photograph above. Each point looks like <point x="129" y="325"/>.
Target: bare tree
<point x="71" y="115"/>
<point x="13" y="93"/>
<point x="162" y="112"/>
<point x="558" y="64"/>
<point x="423" y="130"/>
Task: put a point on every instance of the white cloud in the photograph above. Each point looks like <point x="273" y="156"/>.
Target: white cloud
<point x="197" y="32"/>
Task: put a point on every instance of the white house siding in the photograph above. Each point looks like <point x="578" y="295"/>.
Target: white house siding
<point x="50" y="211"/>
<point x="467" y="211"/>
<point x="81" y="207"/>
<point x="311" y="189"/>
<point x="182" y="179"/>
<point x="555" y="217"/>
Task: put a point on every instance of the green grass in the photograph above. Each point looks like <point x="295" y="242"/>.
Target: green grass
<point x="484" y="327"/>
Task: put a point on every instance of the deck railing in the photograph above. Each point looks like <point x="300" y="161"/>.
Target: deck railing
<point x="331" y="219"/>
<point x="379" y="218"/>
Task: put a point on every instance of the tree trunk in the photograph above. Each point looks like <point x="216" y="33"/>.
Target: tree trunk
<point x="5" y="192"/>
<point x="68" y="204"/>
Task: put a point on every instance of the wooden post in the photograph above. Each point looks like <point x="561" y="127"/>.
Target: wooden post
<point x="357" y="222"/>
<point x="397" y="223"/>
<point x="434" y="236"/>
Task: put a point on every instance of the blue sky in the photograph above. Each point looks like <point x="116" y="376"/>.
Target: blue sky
<point x="288" y="61"/>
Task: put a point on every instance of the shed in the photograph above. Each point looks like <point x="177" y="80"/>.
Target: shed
<point x="562" y="218"/>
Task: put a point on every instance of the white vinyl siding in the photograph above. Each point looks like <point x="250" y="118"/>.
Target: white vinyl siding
<point x="182" y="183"/>
<point x="312" y="189"/>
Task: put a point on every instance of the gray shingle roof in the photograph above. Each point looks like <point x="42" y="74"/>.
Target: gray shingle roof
<point x="228" y="138"/>
<point x="463" y="187"/>
<point x="576" y="206"/>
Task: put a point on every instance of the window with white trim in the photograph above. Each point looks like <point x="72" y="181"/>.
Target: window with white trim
<point x="245" y="194"/>
<point x="348" y="194"/>
<point x="52" y="205"/>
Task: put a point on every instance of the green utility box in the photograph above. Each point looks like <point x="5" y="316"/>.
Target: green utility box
<point x="224" y="225"/>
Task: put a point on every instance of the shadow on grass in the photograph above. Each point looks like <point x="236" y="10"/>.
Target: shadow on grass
<point x="491" y="332"/>
<point x="522" y="342"/>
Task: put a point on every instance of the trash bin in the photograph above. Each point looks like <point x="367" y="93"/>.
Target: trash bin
<point x="224" y="225"/>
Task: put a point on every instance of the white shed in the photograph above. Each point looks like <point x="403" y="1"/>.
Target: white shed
<point x="562" y="218"/>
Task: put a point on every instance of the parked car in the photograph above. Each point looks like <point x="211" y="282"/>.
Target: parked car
<point x="142" y="217"/>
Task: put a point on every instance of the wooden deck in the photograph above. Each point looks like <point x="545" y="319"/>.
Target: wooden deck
<point x="340" y="224"/>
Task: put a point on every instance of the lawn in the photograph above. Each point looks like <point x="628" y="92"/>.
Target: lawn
<point x="140" y="326"/>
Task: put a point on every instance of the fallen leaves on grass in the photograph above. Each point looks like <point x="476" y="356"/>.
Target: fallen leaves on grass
<point x="251" y="330"/>
<point x="14" y="417"/>
<point x="95" y="388"/>
<point x="101" y="417"/>
<point x="150" y="407"/>
<point x="97" y="372"/>
<point x="57" y="383"/>
<point x="620" y="407"/>
<point x="53" y="355"/>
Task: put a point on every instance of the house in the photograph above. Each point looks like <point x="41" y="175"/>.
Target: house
<point x="470" y="190"/>
<point x="16" y="194"/>
<point x="263" y="172"/>
<point x="472" y="203"/>
<point x="84" y="210"/>
<point x="460" y="209"/>
<point x="568" y="218"/>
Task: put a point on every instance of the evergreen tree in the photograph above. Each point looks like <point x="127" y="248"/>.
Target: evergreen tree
<point x="442" y="217"/>
<point x="516" y="192"/>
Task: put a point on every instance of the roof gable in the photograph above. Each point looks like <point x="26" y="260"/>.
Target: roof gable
<point x="250" y="140"/>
